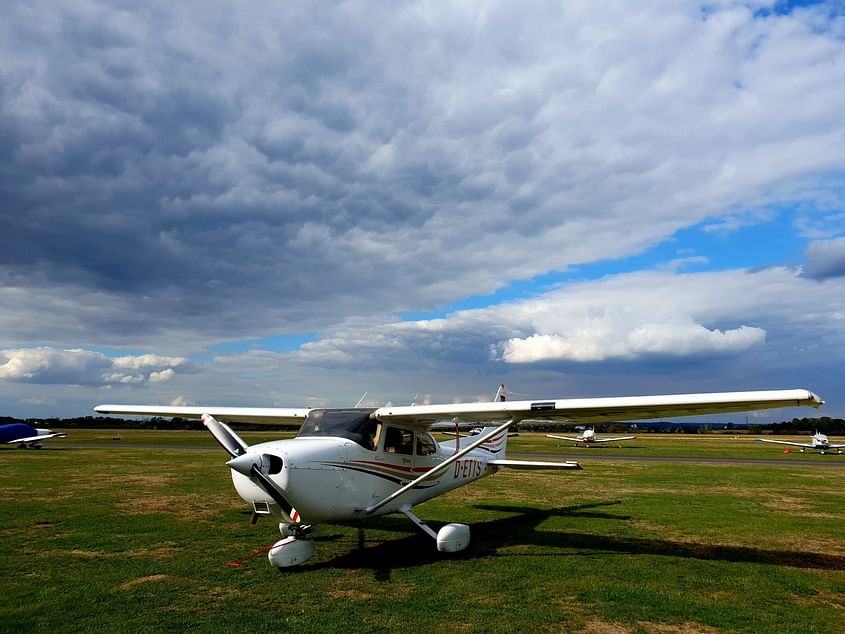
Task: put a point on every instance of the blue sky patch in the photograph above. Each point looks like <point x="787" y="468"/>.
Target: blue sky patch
<point x="713" y="245"/>
<point x="277" y="343"/>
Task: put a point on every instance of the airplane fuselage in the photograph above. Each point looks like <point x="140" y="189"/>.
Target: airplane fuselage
<point x="820" y="441"/>
<point x="333" y="478"/>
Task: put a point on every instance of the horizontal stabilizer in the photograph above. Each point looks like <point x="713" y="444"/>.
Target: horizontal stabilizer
<point x="535" y="464"/>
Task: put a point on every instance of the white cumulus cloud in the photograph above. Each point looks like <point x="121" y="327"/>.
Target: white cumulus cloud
<point x="164" y="375"/>
<point x="75" y="366"/>
<point x="669" y="339"/>
<point x="148" y="361"/>
<point x="49" y="365"/>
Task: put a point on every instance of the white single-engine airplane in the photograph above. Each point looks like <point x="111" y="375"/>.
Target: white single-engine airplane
<point x="355" y="463"/>
<point x="588" y="437"/>
<point x="819" y="441"/>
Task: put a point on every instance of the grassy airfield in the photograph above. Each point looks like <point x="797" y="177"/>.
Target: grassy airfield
<point x="98" y="534"/>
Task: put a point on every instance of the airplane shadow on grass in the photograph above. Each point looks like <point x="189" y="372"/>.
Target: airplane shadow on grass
<point x="520" y="528"/>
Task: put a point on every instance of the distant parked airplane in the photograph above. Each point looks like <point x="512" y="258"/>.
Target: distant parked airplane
<point x="588" y="437"/>
<point x="819" y="441"/>
<point x="26" y="436"/>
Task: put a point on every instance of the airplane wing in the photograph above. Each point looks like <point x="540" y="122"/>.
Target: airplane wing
<point x="592" y="441"/>
<point x="569" y="438"/>
<point x="36" y="438"/>
<point x="808" y="445"/>
<point x="620" y="438"/>
<point x="256" y="415"/>
<point x="597" y="410"/>
<point x="580" y="410"/>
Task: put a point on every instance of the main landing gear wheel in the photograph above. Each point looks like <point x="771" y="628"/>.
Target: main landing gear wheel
<point x="453" y="538"/>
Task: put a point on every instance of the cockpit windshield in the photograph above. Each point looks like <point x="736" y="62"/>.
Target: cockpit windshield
<point x="354" y="424"/>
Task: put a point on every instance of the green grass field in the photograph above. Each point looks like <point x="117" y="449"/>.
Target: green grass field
<point x="131" y="536"/>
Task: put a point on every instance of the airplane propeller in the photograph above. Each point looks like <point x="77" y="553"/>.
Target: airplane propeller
<point x="246" y="463"/>
<point x="249" y="464"/>
<point x="224" y="435"/>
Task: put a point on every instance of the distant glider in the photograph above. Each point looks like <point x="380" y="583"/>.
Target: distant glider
<point x="26" y="436"/>
<point x="819" y="442"/>
<point x="588" y="437"/>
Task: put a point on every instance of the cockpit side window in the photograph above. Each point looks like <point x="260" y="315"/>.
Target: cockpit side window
<point x="374" y="435"/>
<point x="425" y="444"/>
<point x="399" y="441"/>
<point x="354" y="424"/>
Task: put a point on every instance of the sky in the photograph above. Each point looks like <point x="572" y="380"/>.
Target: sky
<point x="299" y="204"/>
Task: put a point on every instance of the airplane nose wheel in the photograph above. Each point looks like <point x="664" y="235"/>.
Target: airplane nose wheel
<point x="294" y="549"/>
<point x="290" y="551"/>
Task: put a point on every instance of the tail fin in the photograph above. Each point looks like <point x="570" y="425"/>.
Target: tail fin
<point x="496" y="445"/>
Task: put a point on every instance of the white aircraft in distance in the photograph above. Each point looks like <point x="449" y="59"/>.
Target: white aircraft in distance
<point x="26" y="436"/>
<point x="356" y="463"/>
<point x="818" y="441"/>
<point x="588" y="437"/>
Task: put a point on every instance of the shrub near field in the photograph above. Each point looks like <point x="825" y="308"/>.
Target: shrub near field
<point x="128" y="539"/>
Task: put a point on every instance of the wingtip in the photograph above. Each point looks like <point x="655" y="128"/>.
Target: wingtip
<point x="814" y="400"/>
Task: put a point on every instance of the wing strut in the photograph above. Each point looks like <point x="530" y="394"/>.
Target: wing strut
<point x="438" y="469"/>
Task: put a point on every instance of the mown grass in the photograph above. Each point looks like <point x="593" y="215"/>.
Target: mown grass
<point x="137" y="539"/>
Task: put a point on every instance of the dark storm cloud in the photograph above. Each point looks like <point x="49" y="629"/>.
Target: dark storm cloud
<point x="134" y="174"/>
<point x="177" y="173"/>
